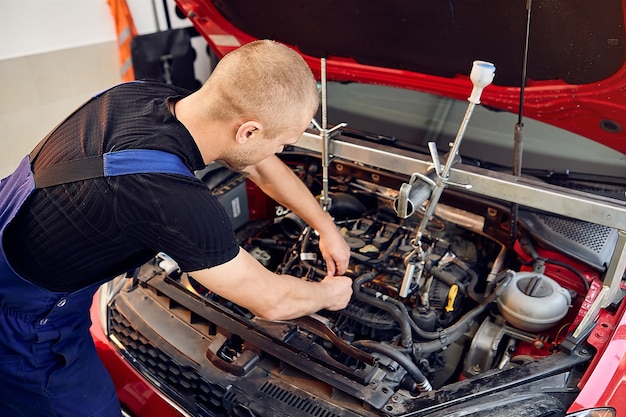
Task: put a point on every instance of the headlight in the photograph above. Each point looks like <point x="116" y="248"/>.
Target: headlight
<point x="105" y="294"/>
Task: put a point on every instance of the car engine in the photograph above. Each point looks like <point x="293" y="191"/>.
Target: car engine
<point x="458" y="299"/>
<point x="479" y="303"/>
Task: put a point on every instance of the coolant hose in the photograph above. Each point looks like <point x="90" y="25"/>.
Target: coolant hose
<point x="399" y="312"/>
<point x="454" y="332"/>
<point x="448" y="336"/>
<point x="529" y="249"/>
<point x="401" y="317"/>
<point x="404" y="361"/>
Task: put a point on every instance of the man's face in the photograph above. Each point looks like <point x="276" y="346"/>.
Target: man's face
<point x="260" y="148"/>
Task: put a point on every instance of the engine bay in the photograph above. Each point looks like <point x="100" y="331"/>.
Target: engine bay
<point x="458" y="296"/>
<point x="479" y="302"/>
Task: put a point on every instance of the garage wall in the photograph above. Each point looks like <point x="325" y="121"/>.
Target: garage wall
<point x="41" y="89"/>
<point x="54" y="55"/>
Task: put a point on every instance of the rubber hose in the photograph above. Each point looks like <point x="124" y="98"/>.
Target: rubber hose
<point x="402" y="319"/>
<point x="404" y="361"/>
<point x="459" y="328"/>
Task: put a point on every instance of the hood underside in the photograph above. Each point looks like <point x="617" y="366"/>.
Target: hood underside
<point x="575" y="72"/>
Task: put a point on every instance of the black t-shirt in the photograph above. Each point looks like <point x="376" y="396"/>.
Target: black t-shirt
<point x="71" y="235"/>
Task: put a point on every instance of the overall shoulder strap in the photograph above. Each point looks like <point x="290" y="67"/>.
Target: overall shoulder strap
<point x="129" y="161"/>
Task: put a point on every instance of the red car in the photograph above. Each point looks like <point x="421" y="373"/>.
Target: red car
<point x="486" y="215"/>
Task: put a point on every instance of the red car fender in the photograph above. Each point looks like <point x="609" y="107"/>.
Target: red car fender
<point x="135" y="393"/>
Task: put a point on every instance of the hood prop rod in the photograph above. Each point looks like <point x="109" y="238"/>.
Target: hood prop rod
<point x="325" y="134"/>
<point x="481" y="76"/>
<point x="518" y="141"/>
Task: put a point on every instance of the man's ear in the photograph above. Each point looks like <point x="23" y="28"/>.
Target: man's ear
<point x="248" y="130"/>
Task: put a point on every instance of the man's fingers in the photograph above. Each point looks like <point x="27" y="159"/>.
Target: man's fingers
<point x="330" y="267"/>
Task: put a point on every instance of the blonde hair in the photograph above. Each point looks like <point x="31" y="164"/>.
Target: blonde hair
<point x="262" y="80"/>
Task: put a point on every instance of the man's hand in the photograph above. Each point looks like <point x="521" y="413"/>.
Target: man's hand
<point x="244" y="281"/>
<point x="278" y="181"/>
<point x="339" y="290"/>
<point x="335" y="251"/>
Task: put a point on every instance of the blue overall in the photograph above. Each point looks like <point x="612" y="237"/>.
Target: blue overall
<point x="48" y="362"/>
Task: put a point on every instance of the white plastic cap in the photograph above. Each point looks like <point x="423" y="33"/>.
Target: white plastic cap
<point x="482" y="75"/>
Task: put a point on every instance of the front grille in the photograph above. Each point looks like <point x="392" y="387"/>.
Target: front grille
<point x="167" y="341"/>
<point x="300" y="403"/>
<point x="179" y="382"/>
<point x="291" y="403"/>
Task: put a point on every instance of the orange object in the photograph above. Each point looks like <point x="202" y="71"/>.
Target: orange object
<point x="125" y="29"/>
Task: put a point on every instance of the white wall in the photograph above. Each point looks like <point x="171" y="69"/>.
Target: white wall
<point x="54" y="54"/>
<point x="41" y="89"/>
<point x="38" y="26"/>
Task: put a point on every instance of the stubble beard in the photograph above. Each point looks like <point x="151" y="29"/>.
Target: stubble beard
<point x="240" y="160"/>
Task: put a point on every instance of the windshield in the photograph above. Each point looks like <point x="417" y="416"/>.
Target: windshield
<point x="411" y="119"/>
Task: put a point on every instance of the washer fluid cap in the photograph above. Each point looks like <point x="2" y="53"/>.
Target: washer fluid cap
<point x="533" y="302"/>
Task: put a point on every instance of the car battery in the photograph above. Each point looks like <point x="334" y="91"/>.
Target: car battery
<point x="232" y="195"/>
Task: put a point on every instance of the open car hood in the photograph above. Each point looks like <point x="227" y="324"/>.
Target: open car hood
<point x="575" y="72"/>
<point x="475" y="291"/>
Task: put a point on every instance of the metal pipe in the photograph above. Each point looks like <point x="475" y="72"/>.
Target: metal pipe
<point x="518" y="141"/>
<point x="325" y="200"/>
<point x="481" y="76"/>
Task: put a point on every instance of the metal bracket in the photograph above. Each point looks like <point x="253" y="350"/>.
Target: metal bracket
<point x="325" y="134"/>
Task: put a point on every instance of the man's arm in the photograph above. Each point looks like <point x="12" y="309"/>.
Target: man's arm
<point x="244" y="281"/>
<point x="278" y="181"/>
